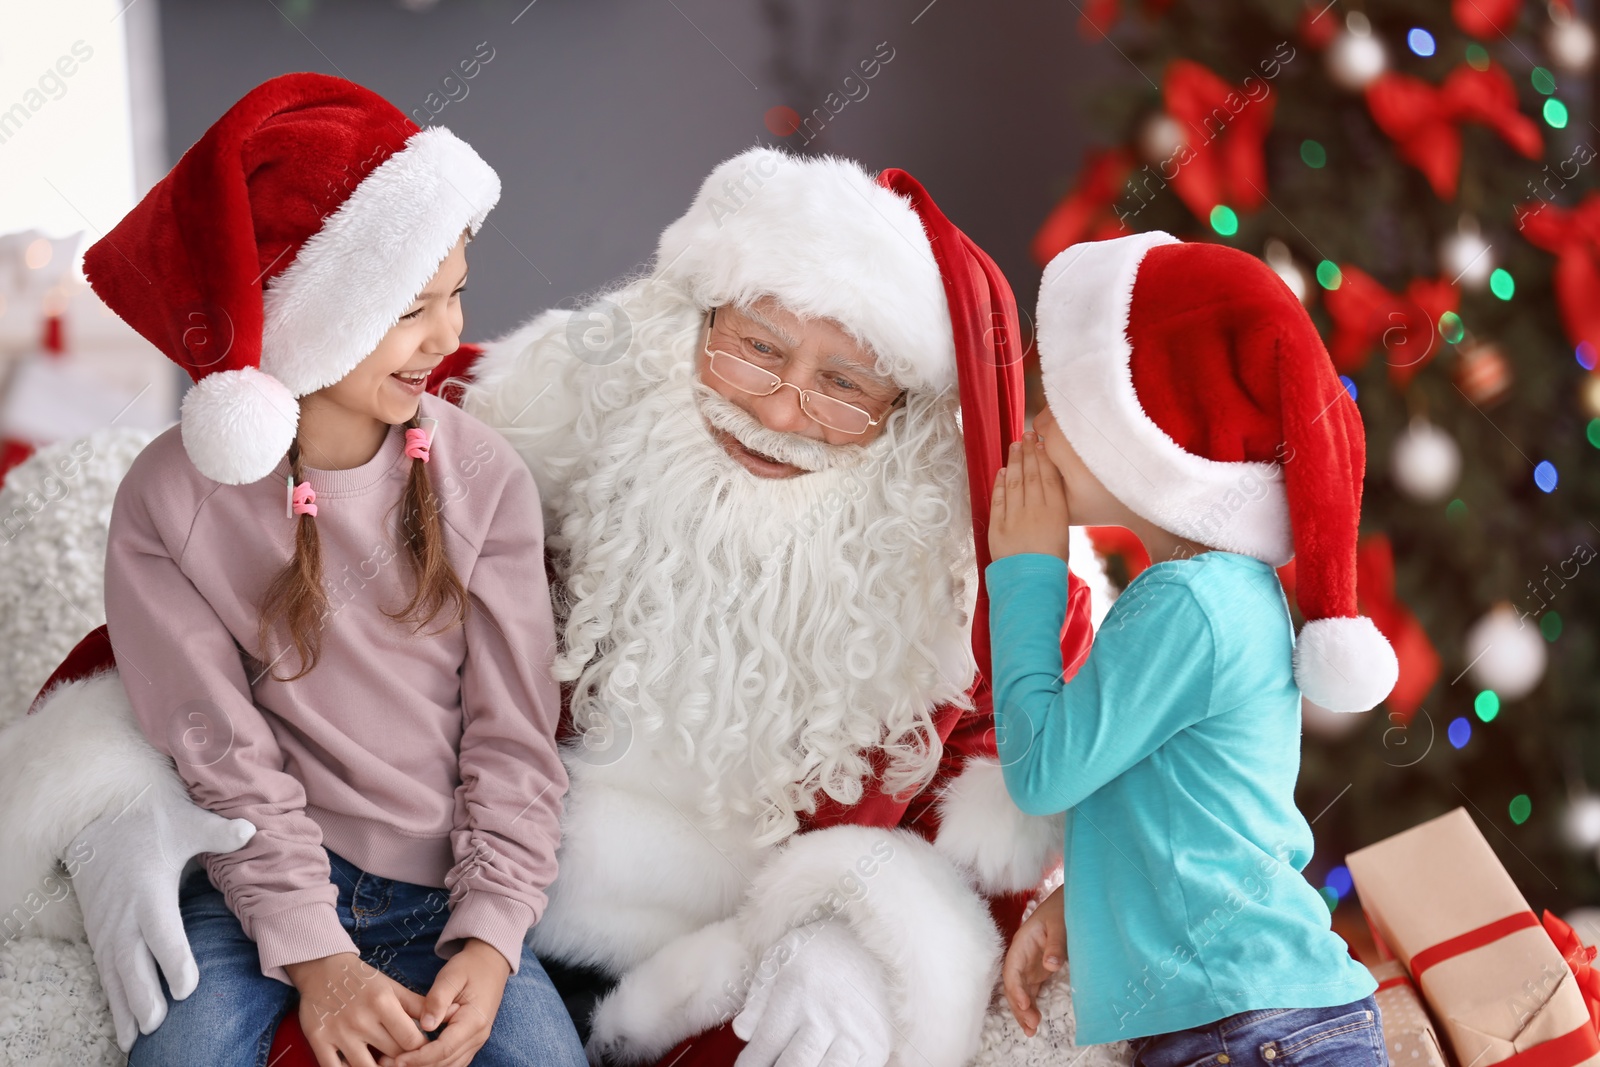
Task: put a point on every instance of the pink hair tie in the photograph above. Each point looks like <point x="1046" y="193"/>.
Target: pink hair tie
<point x="302" y="498"/>
<point x="418" y="438"/>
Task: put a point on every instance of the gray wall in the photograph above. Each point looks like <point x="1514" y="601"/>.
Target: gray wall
<point x="603" y="117"/>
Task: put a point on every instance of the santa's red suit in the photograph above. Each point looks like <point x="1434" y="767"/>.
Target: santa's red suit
<point x="687" y="858"/>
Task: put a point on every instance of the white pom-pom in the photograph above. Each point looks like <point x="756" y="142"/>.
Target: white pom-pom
<point x="1344" y="664"/>
<point x="237" y="425"/>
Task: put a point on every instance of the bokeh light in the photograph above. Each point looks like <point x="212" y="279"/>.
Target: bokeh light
<point x="1224" y="221"/>
<point x="1550" y="625"/>
<point x="1555" y="113"/>
<point x="1460" y="733"/>
<point x="1420" y="41"/>
<point x="1502" y="284"/>
<point x="1520" y="808"/>
<point x="1313" y="153"/>
<point x="1450" y="327"/>
<point x="1349" y="386"/>
<point x="1545" y="476"/>
<point x="1585" y="355"/>
<point x="1486" y="705"/>
<point x="1593" y="432"/>
<point x="1456" y="510"/>
<point x="1543" y="80"/>
<point x="1328" y="275"/>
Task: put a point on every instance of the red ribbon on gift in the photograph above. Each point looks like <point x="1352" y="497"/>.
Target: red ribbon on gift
<point x="1572" y="1047"/>
<point x="1226" y="130"/>
<point x="1424" y="121"/>
<point x="1580" y="959"/>
<point x="1085" y="214"/>
<point x="1367" y="316"/>
<point x="1574" y="236"/>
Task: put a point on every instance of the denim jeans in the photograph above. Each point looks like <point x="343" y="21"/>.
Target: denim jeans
<point x="1350" y="1035"/>
<point x="231" y="1017"/>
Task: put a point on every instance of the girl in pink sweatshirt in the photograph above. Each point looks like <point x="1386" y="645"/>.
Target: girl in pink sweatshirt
<point x="326" y="594"/>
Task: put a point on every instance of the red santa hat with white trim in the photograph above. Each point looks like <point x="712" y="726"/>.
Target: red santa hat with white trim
<point x="875" y="254"/>
<point x="1195" y="387"/>
<point x="280" y="249"/>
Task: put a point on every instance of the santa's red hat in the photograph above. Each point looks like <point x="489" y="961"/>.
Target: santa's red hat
<point x="1195" y="387"/>
<point x="875" y="254"/>
<point x="828" y="240"/>
<point x="279" y="251"/>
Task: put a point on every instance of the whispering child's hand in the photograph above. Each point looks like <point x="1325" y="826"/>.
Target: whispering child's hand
<point x="1037" y="952"/>
<point x="1029" y="511"/>
<point x="466" y="996"/>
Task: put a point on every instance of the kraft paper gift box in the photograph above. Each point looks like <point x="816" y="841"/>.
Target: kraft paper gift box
<point x="1499" y="988"/>
<point x="1407" y="1030"/>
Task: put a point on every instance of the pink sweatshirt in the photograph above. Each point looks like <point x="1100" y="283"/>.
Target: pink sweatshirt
<point x="428" y="759"/>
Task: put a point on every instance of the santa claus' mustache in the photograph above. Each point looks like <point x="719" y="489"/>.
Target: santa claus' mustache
<point x="804" y="452"/>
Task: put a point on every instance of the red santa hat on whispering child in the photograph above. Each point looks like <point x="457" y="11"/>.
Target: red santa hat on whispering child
<point x="1194" y="386"/>
<point x="279" y="251"/>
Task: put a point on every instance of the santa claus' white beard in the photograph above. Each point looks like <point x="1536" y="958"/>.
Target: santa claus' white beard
<point x="762" y="634"/>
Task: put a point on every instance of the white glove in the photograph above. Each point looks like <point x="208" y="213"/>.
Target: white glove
<point x="125" y="867"/>
<point x="827" y="1005"/>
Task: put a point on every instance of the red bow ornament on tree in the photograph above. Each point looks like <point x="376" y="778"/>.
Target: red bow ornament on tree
<point x="1086" y="213"/>
<point x="1222" y="162"/>
<point x="1367" y="316"/>
<point x="1491" y="18"/>
<point x="1574" y="236"/>
<point x="1424" y="121"/>
<point x="1097" y="17"/>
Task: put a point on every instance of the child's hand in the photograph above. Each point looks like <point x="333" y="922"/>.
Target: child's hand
<point x="1029" y="511"/>
<point x="347" y="1004"/>
<point x="466" y="994"/>
<point x="1037" y="952"/>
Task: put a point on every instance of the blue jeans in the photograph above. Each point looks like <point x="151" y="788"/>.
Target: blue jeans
<point x="231" y="1017"/>
<point x="1350" y="1035"/>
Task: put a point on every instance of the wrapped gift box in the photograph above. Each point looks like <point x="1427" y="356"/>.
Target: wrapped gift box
<point x="1499" y="988"/>
<point x="1407" y="1030"/>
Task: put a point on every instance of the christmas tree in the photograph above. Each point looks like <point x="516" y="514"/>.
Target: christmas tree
<point x="1423" y="175"/>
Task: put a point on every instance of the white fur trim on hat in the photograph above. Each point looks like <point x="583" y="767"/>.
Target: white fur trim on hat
<point x="237" y="424"/>
<point x="354" y="278"/>
<point x="824" y="238"/>
<point x="1084" y="355"/>
<point x="1344" y="664"/>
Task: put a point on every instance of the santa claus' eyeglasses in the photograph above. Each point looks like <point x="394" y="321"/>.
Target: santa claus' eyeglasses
<point x="829" y="411"/>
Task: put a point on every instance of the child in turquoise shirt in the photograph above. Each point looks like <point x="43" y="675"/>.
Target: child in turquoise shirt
<point x="1189" y="400"/>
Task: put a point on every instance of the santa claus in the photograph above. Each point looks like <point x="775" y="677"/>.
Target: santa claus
<point x="762" y="465"/>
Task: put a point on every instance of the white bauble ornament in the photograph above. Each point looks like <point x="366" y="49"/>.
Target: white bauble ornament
<point x="1570" y="41"/>
<point x="1356" y="56"/>
<point x="1426" y="462"/>
<point x="1589" y="395"/>
<point x="1507" y="653"/>
<point x="1580" y="823"/>
<point x="1281" y="260"/>
<point x="1160" y="138"/>
<point x="1465" y="257"/>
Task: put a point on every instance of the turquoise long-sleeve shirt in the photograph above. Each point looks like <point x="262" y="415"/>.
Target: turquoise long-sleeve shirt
<point x="1174" y="752"/>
